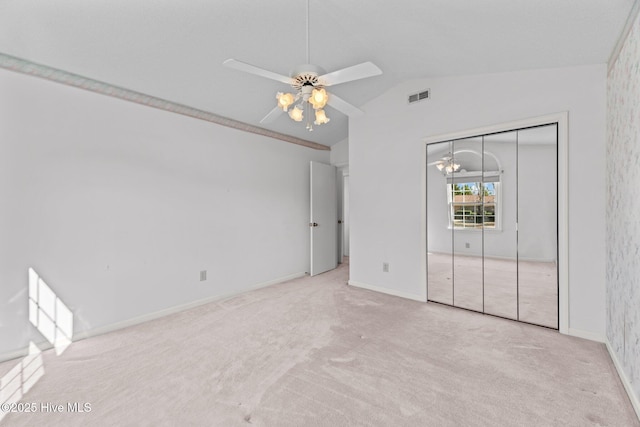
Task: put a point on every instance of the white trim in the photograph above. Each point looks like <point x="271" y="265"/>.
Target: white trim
<point x="631" y="19"/>
<point x="395" y="293"/>
<point x="562" y="118"/>
<point x="563" y="220"/>
<point x="502" y="127"/>
<point x="635" y="401"/>
<point x="341" y="164"/>
<point x="150" y="316"/>
<point x="423" y="220"/>
<point x="587" y="335"/>
<point x="16" y="354"/>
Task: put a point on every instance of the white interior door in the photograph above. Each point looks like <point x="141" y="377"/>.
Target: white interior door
<point x="324" y="218"/>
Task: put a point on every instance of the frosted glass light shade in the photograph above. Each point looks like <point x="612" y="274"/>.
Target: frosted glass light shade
<point x="284" y="100"/>
<point x="318" y="98"/>
<point x="296" y="114"/>
<point x="321" y="117"/>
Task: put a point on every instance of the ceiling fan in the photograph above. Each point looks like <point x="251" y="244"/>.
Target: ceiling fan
<point x="309" y="82"/>
<point x="446" y="164"/>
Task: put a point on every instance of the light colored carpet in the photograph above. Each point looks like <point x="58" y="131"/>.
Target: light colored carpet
<point x="316" y="352"/>
<point x="523" y="290"/>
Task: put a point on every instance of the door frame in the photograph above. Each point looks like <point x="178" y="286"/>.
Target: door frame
<point x="345" y="241"/>
<point x="562" y="119"/>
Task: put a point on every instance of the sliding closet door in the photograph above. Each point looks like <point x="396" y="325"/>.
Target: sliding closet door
<point x="538" y="225"/>
<point x="492" y="226"/>
<point x="439" y="234"/>
<point x="466" y="213"/>
<point x="500" y="205"/>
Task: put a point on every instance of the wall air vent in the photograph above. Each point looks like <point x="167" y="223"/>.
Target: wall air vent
<point x="425" y="94"/>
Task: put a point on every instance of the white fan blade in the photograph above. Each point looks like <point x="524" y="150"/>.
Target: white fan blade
<point x="248" y="68"/>
<point x="355" y="72"/>
<point x="343" y="106"/>
<point x="273" y="115"/>
<point x="444" y="159"/>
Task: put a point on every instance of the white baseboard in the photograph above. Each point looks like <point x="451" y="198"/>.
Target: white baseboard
<point x="388" y="291"/>
<point x="635" y="400"/>
<point x="176" y="309"/>
<point x="77" y="336"/>
<point x="587" y="335"/>
<point x="42" y="345"/>
<point x="16" y="354"/>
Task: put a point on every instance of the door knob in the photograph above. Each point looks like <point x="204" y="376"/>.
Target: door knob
<point x="313" y="224"/>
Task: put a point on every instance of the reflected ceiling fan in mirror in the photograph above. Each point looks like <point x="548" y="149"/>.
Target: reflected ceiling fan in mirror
<point x="446" y="165"/>
<point x="309" y="83"/>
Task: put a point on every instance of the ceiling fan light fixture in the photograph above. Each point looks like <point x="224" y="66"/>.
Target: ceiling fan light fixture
<point x="296" y="114"/>
<point x="308" y="82"/>
<point x="321" y="118"/>
<point x="318" y="98"/>
<point x="284" y="100"/>
<point x="451" y="167"/>
<point x="446" y="165"/>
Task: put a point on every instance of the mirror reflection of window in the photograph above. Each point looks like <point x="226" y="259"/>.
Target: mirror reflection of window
<point x="473" y="204"/>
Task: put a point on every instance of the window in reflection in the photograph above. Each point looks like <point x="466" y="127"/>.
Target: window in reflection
<point x="473" y="204"/>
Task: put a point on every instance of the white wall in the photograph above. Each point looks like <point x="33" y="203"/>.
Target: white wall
<point x="386" y="164"/>
<point x="119" y="206"/>
<point x="340" y="153"/>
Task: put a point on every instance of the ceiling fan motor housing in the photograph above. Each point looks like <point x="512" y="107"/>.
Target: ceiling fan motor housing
<point x="306" y="75"/>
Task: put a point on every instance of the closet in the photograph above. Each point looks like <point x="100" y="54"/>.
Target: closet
<point x="492" y="224"/>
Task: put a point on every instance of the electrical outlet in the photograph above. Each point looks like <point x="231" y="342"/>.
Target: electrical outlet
<point x="203" y="275"/>
<point x="467" y="245"/>
<point x="385" y="267"/>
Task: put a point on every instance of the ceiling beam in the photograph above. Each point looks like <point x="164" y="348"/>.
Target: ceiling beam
<point x="38" y="70"/>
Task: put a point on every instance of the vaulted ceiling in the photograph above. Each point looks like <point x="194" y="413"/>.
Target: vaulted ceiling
<point x="174" y="49"/>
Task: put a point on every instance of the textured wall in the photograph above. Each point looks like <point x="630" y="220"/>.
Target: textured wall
<point x="623" y="207"/>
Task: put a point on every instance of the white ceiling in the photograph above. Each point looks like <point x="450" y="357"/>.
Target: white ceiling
<point x="174" y="49"/>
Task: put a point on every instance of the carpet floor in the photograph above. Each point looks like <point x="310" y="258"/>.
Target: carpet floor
<point x="316" y="352"/>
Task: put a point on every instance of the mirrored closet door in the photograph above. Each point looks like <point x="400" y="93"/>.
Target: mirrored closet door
<point x="492" y="224"/>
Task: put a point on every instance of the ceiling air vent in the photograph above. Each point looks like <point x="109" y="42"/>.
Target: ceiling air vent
<point x="425" y="94"/>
